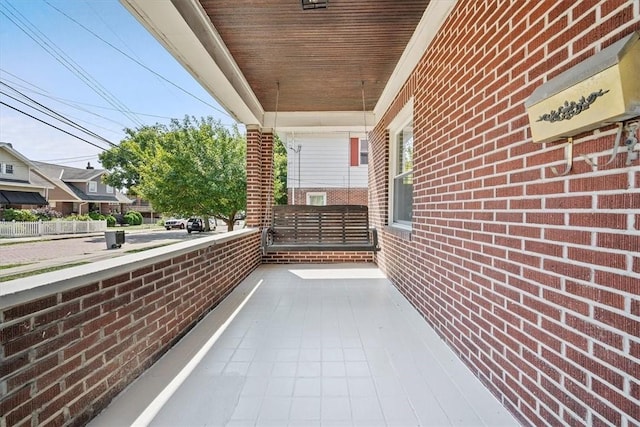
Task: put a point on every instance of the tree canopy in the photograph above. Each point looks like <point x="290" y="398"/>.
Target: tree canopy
<point x="191" y="167"/>
<point x="280" y="172"/>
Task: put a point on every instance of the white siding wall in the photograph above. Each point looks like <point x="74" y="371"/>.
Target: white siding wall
<point x="324" y="162"/>
<point x="20" y="169"/>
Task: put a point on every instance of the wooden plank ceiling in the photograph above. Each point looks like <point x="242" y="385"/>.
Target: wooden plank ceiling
<point x="319" y="57"/>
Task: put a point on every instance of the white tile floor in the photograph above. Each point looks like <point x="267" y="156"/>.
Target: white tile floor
<point x="332" y="345"/>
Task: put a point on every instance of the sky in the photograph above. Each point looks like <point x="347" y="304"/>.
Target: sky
<point x="85" y="78"/>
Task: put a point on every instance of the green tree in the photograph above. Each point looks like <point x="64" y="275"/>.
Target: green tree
<point x="123" y="161"/>
<point x="280" y="172"/>
<point x="193" y="166"/>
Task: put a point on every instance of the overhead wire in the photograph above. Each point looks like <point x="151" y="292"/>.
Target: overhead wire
<point x="111" y="130"/>
<point x="26" y="104"/>
<point x="137" y="62"/>
<point x="23" y="23"/>
<point x="62" y="159"/>
<point x="54" y="114"/>
<point x="49" y="124"/>
<point x="77" y="104"/>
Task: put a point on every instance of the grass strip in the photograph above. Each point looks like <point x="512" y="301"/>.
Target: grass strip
<point x="40" y="271"/>
<point x="6" y="266"/>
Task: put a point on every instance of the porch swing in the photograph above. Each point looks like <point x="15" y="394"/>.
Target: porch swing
<point x="320" y="228"/>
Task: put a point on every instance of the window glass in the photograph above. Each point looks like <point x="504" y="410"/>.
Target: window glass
<point x="8" y="169"/>
<point x="364" y="152"/>
<point x="109" y="189"/>
<point x="93" y="186"/>
<point x="317" y="199"/>
<point x="402" y="189"/>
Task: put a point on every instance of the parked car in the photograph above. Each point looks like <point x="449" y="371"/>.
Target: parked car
<point x="197" y="224"/>
<point x="180" y="223"/>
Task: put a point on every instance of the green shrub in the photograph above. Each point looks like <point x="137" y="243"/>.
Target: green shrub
<point x="78" y="218"/>
<point x="96" y="216"/>
<point x="133" y="218"/>
<point x="111" y="221"/>
<point x="19" y="215"/>
<point x="130" y="219"/>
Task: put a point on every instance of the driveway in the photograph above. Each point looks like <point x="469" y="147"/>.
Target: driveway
<point x="53" y="250"/>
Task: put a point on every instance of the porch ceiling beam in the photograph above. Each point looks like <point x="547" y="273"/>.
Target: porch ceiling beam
<point x="184" y="29"/>
<point x="319" y="121"/>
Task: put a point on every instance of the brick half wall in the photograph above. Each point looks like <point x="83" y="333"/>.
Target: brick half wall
<point x="70" y="349"/>
<point x="317" y="257"/>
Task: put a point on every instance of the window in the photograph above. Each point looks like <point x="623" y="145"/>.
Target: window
<point x="401" y="168"/>
<point x="364" y="152"/>
<point x="93" y="186"/>
<point x="358" y="152"/>
<point x="317" y="199"/>
<point x="6" y="168"/>
<point x="109" y="189"/>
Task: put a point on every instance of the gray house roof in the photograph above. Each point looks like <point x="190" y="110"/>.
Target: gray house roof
<point x="66" y="177"/>
<point x="68" y="173"/>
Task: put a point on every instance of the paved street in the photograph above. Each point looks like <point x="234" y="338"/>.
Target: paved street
<point x="52" y="250"/>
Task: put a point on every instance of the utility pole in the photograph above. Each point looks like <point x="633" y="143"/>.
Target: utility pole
<point x="293" y="168"/>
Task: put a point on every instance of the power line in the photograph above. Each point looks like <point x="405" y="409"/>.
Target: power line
<point x="136" y="61"/>
<point x="71" y="103"/>
<point x="53" y="126"/>
<point x="59" y="55"/>
<point x="76" y="104"/>
<point x="45" y="110"/>
<point x="70" y="159"/>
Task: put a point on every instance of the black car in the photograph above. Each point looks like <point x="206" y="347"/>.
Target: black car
<point x="197" y="224"/>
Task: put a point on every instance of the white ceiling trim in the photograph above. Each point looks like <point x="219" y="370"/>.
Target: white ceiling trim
<point x="315" y="121"/>
<point x="203" y="55"/>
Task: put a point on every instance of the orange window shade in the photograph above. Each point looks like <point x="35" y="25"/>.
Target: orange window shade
<point x="354" y="152"/>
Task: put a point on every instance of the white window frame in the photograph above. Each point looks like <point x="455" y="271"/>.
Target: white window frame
<point x="109" y="189"/>
<point x="7" y="168"/>
<point x="317" y="194"/>
<point x="402" y="119"/>
<point x="93" y="187"/>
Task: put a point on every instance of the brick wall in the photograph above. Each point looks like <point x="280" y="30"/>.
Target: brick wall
<point x="267" y="182"/>
<point x="317" y="257"/>
<point x="66" y="354"/>
<point x="335" y="196"/>
<point x="255" y="173"/>
<point x="533" y="279"/>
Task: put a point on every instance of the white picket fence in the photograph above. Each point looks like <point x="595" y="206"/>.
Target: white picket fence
<point x="43" y="228"/>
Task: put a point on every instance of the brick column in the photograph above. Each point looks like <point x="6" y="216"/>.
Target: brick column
<point x="259" y="176"/>
<point x="267" y="175"/>
<point x="255" y="204"/>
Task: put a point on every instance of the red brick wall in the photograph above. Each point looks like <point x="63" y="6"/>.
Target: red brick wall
<point x="267" y="177"/>
<point x="66" y="355"/>
<point x="335" y="196"/>
<point x="531" y="278"/>
<point x="256" y="174"/>
<point x="317" y="257"/>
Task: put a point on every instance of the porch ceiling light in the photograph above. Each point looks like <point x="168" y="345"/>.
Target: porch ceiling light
<point x="314" y="4"/>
